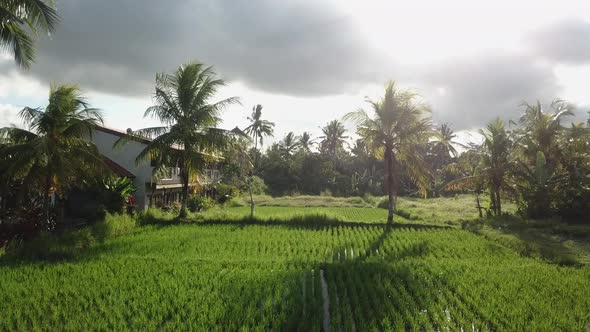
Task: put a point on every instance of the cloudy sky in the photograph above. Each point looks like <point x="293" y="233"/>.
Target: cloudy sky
<point x="309" y="62"/>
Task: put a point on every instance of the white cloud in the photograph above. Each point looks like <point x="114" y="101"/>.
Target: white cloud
<point x="9" y="115"/>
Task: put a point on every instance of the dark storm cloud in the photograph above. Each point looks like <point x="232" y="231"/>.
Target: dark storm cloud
<point x="565" y="42"/>
<point x="469" y="92"/>
<point x="290" y="47"/>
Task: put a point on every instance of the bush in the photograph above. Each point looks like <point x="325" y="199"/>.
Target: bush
<point x="119" y="224"/>
<point x="235" y="202"/>
<point x="258" y="186"/>
<point x="197" y="203"/>
<point x="226" y="192"/>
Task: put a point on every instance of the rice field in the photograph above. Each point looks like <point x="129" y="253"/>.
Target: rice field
<point x="345" y="277"/>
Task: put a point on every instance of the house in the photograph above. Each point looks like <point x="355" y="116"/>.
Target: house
<point x="151" y="190"/>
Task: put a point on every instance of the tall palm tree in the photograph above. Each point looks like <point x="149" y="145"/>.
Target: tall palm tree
<point x="188" y="138"/>
<point x="443" y="147"/>
<point x="496" y="161"/>
<point x="289" y="144"/>
<point x="540" y="131"/>
<point x="305" y="142"/>
<point x="333" y="140"/>
<point x="490" y="164"/>
<point x="55" y="151"/>
<point x="258" y="127"/>
<point x="20" y="22"/>
<point x="397" y="131"/>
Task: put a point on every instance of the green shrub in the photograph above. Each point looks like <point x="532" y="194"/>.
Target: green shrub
<point x="116" y="192"/>
<point x="197" y="203"/>
<point x="119" y="224"/>
<point x="226" y="192"/>
<point x="258" y="186"/>
<point x="235" y="202"/>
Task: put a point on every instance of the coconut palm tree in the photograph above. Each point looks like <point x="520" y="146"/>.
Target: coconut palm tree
<point x="490" y="164"/>
<point x="540" y="131"/>
<point x="289" y="144"/>
<point x="333" y="141"/>
<point x="443" y="148"/>
<point x="496" y="161"/>
<point x="20" y="23"/>
<point x="397" y="131"/>
<point x="258" y="127"/>
<point x="188" y="138"/>
<point x="305" y="142"/>
<point x="54" y="151"/>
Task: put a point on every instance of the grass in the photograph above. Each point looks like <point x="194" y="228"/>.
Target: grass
<point x="438" y="270"/>
<point x="351" y="214"/>
<point x="312" y="201"/>
<point x="445" y="210"/>
<point x="206" y="276"/>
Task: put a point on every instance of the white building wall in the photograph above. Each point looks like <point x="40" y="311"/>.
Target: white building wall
<point x="125" y="156"/>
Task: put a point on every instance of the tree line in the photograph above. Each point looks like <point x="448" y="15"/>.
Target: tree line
<point x="538" y="161"/>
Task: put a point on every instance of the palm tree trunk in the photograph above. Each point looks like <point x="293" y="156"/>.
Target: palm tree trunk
<point x="251" y="175"/>
<point x="251" y="198"/>
<point x="389" y="183"/>
<point x="185" y="178"/>
<point x="498" y="203"/>
<point x="493" y="200"/>
<point x="46" y="198"/>
<point x="478" y="205"/>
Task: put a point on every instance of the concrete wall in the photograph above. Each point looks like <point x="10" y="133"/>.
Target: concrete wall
<point x="125" y="156"/>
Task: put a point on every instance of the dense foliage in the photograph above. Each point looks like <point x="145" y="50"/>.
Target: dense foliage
<point x="188" y="137"/>
<point x="54" y="153"/>
<point x="538" y="162"/>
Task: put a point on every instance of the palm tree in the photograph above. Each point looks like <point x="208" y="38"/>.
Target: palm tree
<point x="398" y="131"/>
<point x="55" y="151"/>
<point x="443" y="147"/>
<point x="258" y="127"/>
<point x="188" y="138"/>
<point x="441" y="153"/>
<point x="305" y="142"/>
<point x="333" y="140"/>
<point x="540" y="131"/>
<point x="490" y="164"/>
<point x="496" y="162"/>
<point x="20" y="21"/>
<point x="289" y="144"/>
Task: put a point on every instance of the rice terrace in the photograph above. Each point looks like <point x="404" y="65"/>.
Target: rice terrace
<point x="304" y="272"/>
<point x="294" y="185"/>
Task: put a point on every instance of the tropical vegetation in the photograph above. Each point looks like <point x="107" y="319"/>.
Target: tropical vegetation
<point x="21" y="22"/>
<point x="54" y="154"/>
<point x="188" y="138"/>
